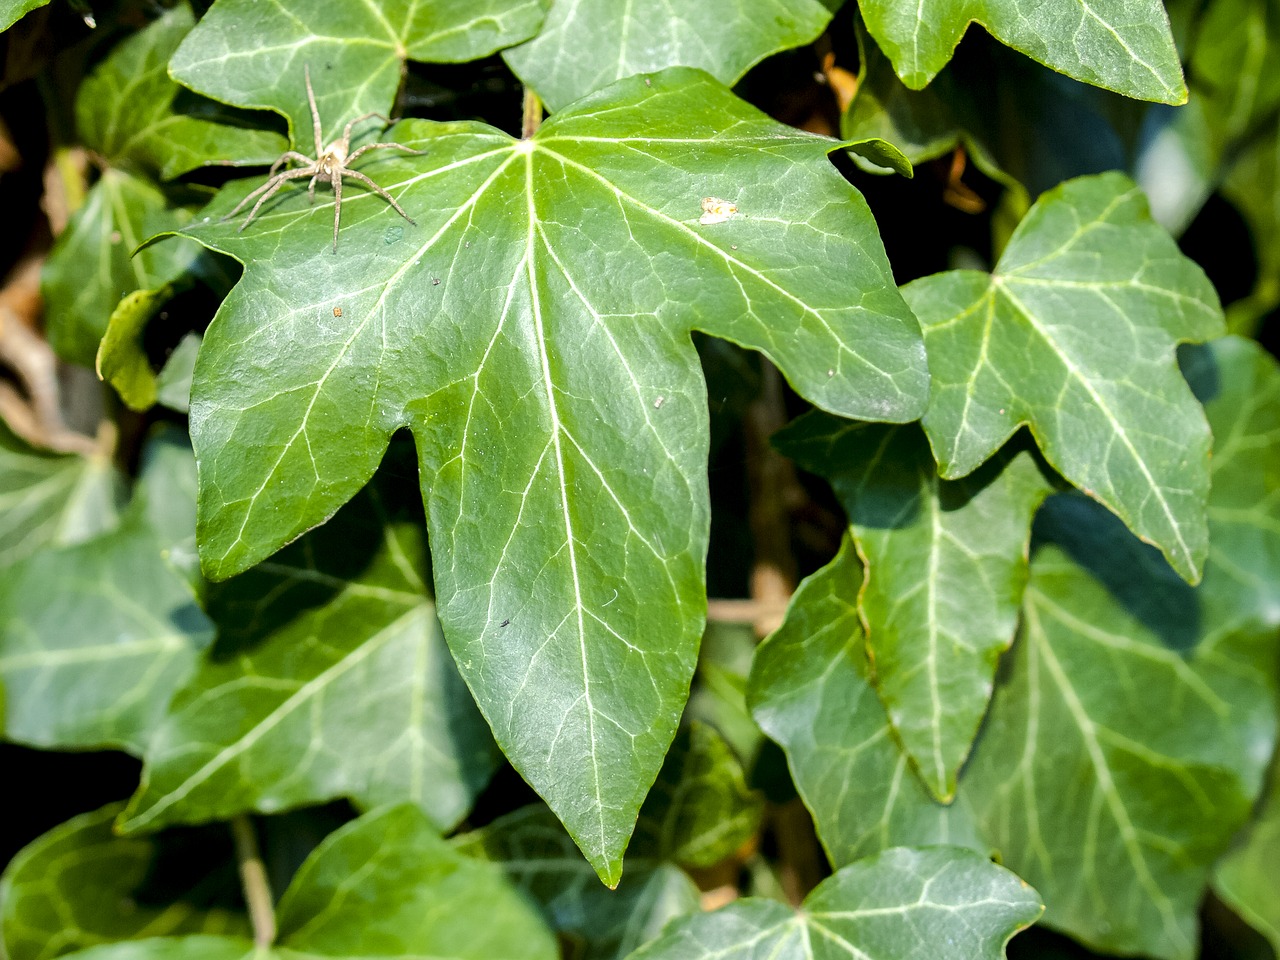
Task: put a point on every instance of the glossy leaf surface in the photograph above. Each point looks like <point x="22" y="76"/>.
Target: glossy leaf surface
<point x="1074" y="335"/>
<point x="904" y="904"/>
<point x="533" y="332"/>
<point x="1122" y="45"/>
<point x="78" y="885"/>
<point x="586" y="45"/>
<point x="946" y="562"/>
<point x="251" y="55"/>
<point x="330" y="679"/>
<point x="1246" y="878"/>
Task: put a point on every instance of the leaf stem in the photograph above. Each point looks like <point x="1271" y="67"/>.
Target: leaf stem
<point x="253" y="879"/>
<point x="532" y="114"/>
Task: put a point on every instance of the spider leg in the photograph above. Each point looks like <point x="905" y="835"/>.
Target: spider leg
<point x="288" y="155"/>
<point x="380" y="192"/>
<point x="378" y="146"/>
<point x="337" y="204"/>
<point x="274" y="184"/>
<point x="311" y="187"/>
<point x="315" y="114"/>
<point x="346" y="133"/>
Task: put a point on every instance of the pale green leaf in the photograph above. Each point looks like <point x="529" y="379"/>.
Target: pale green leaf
<point x="92" y="264"/>
<point x="385" y="886"/>
<point x="1122" y="45"/>
<point x="1074" y="335"/>
<point x="11" y="11"/>
<point x="904" y="904"/>
<point x="330" y="679"/>
<point x="51" y="499"/>
<point x="78" y="885"/>
<point x="130" y="112"/>
<point x="1246" y="879"/>
<point x="542" y="859"/>
<point x="946" y="562"/>
<point x="532" y="330"/>
<point x="98" y="670"/>
<point x="811" y="691"/>
<point x="253" y="55"/>
<point x="121" y="360"/>
<point x="173" y="383"/>
<point x="586" y="45"/>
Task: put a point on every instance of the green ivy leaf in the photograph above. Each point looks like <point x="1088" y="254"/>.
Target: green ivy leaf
<point x="131" y="113"/>
<point x="585" y="46"/>
<point x="533" y="333"/>
<point x="1074" y="335"/>
<point x="11" y="11"/>
<point x="330" y="679"/>
<point x="811" y="691"/>
<point x="404" y="894"/>
<point x="253" y="56"/>
<point x="1121" y="45"/>
<point x="1246" y="878"/>
<point x="542" y="859"/>
<point x="51" y="499"/>
<point x="946" y="562"/>
<point x="99" y="672"/>
<point x="1127" y="685"/>
<point x="904" y="904"/>
<point x="77" y="886"/>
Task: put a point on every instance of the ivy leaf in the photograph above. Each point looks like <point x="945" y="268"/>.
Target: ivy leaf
<point x="50" y="499"/>
<point x="78" y="885"/>
<point x="533" y="333"/>
<point x="132" y="114"/>
<point x="330" y="679"/>
<point x="1245" y="879"/>
<point x="946" y="563"/>
<point x="542" y="859"/>
<point x="1126" y="685"/>
<point x="253" y="56"/>
<point x="585" y="46"/>
<point x="11" y="11"/>
<point x="810" y="690"/>
<point x="904" y="904"/>
<point x="1074" y="335"/>
<point x="1121" y="45"/>
<point x="404" y="894"/>
<point x="99" y="672"/>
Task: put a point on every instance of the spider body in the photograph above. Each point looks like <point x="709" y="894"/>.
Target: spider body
<point x="331" y="163"/>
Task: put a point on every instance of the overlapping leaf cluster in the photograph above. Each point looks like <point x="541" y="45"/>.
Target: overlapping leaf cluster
<point x="1049" y="636"/>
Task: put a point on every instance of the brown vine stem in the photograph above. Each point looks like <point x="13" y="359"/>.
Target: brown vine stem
<point x="532" y="114"/>
<point x="253" y="879"/>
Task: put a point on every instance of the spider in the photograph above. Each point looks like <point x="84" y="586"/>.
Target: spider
<point x="332" y="163"/>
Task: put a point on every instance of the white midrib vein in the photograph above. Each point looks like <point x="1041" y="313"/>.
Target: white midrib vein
<point x="535" y="309"/>
<point x="1123" y="435"/>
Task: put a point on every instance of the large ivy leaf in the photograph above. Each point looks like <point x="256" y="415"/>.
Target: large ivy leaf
<point x="533" y="333"/>
<point x="403" y="893"/>
<point x="1122" y="45"/>
<point x="699" y="812"/>
<point x="330" y="679"/>
<point x="811" y="691"/>
<point x="79" y="885"/>
<point x="586" y="45"/>
<point x="1074" y="335"/>
<point x="904" y="904"/>
<point x="51" y="499"/>
<point x="11" y="11"/>
<point x="946" y="562"/>
<point x="1246" y="878"/>
<point x="252" y="55"/>
<point x="1127" y="685"/>
<point x="99" y="671"/>
<point x="131" y="113"/>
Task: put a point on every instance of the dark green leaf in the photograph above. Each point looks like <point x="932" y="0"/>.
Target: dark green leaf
<point x="587" y="45"/>
<point x="330" y="679"/>
<point x="51" y="499"/>
<point x="1122" y="45"/>
<point x="251" y="55"/>
<point x="99" y="671"/>
<point x="946" y="562"/>
<point x="1074" y="335"/>
<point x="534" y="335"/>
<point x="11" y="11"/>
<point x="904" y="904"/>
<point x="1246" y="879"/>
<point x="78" y="885"/>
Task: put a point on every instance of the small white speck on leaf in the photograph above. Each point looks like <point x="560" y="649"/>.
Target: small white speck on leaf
<point x="715" y="210"/>
<point x="658" y="403"/>
<point x="831" y="373"/>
